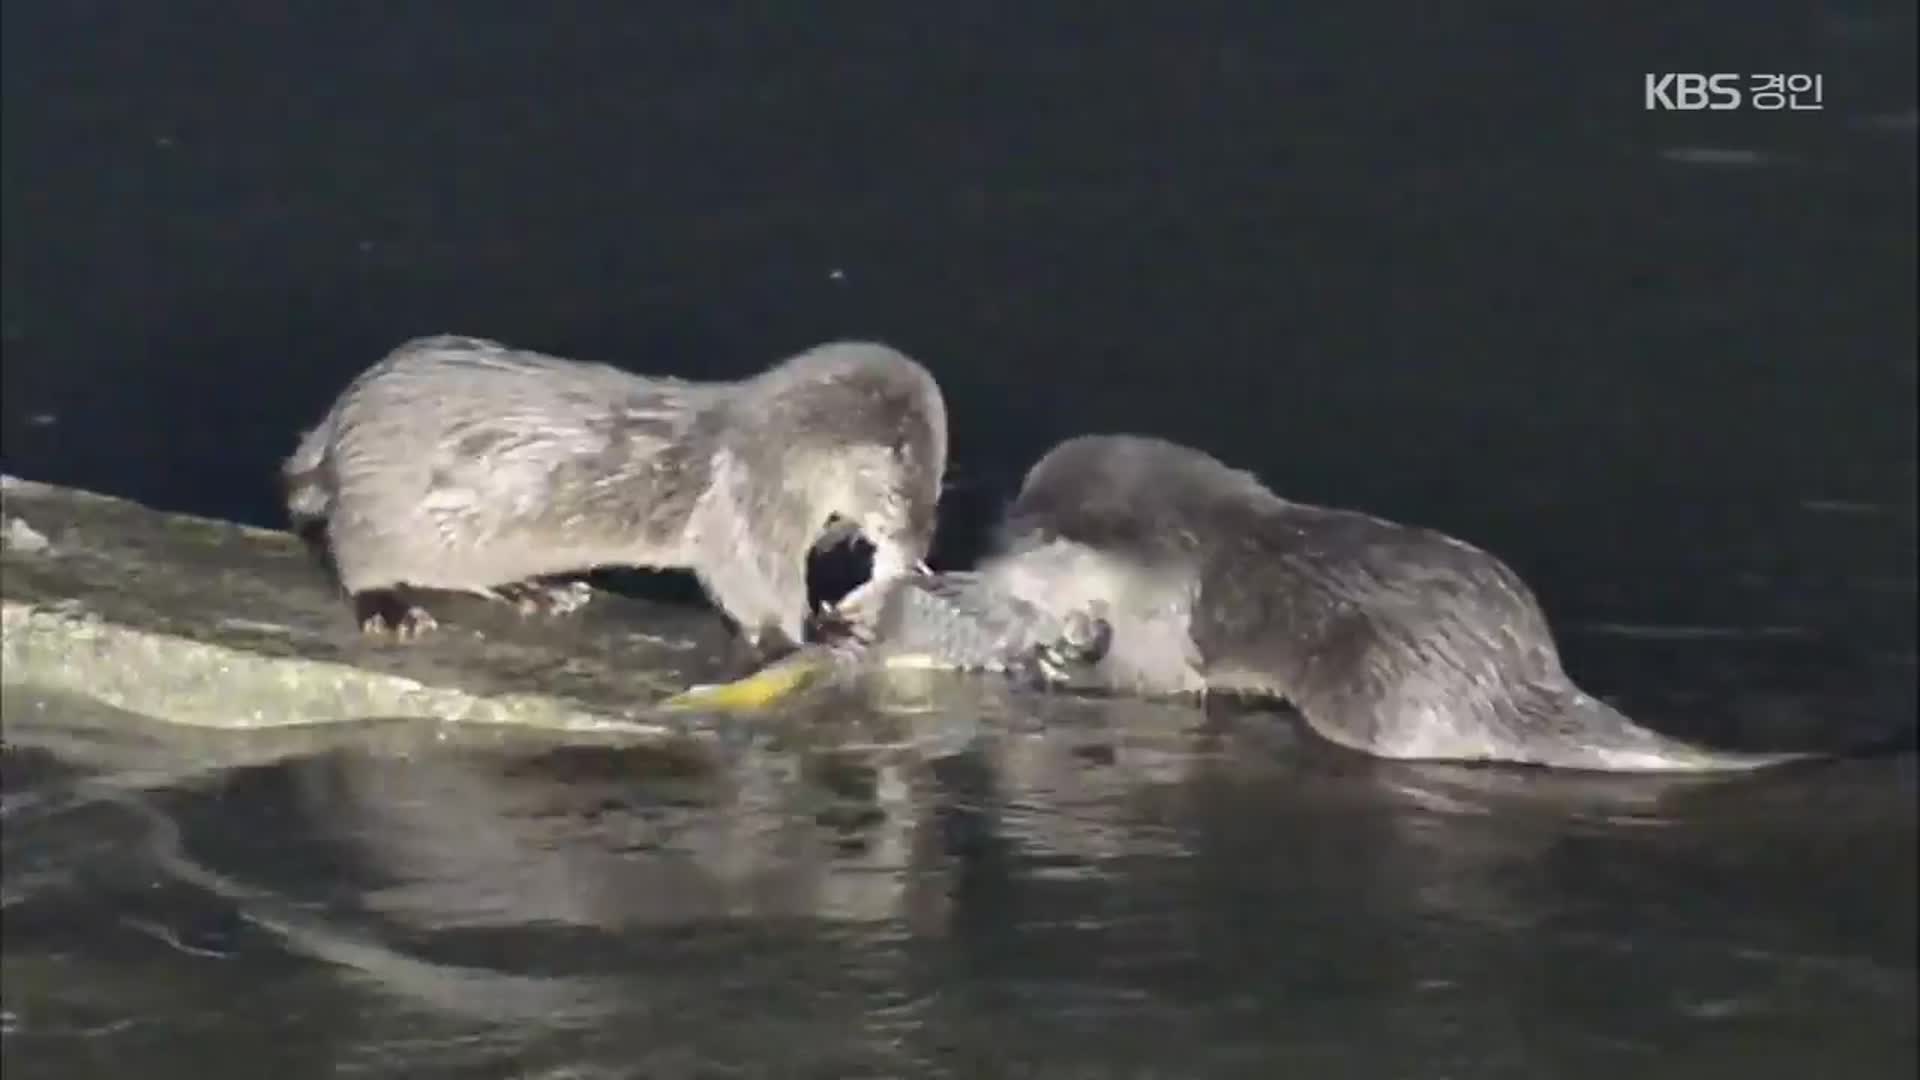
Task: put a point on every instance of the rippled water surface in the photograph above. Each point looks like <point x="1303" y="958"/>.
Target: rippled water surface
<point x="1058" y="888"/>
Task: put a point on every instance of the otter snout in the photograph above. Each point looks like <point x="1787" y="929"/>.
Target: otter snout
<point x="893" y="559"/>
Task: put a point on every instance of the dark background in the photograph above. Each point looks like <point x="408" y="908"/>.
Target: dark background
<point x="1434" y="261"/>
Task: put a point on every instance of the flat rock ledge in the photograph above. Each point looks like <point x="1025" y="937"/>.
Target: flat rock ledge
<point x="217" y="625"/>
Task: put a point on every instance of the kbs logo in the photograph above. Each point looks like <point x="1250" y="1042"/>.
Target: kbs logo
<point x="1692" y="92"/>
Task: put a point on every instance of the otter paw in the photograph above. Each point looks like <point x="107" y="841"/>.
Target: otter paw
<point x="391" y="613"/>
<point x="1063" y="661"/>
<point x="552" y="600"/>
<point x="1086" y="639"/>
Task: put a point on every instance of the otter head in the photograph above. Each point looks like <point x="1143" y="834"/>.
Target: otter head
<point x="886" y="497"/>
<point x="864" y="428"/>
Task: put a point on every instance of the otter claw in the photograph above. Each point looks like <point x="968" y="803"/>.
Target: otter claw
<point x="1083" y="643"/>
<point x="387" y="612"/>
<point x="1086" y="639"/>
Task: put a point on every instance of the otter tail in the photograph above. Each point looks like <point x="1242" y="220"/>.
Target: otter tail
<point x="303" y="478"/>
<point x="1566" y="728"/>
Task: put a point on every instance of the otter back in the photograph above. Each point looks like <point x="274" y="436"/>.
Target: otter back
<point x="462" y="464"/>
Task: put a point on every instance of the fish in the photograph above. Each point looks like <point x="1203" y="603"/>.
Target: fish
<point x="954" y="621"/>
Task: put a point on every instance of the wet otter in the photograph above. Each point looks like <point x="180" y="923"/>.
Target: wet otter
<point x="460" y="464"/>
<point x="1394" y="641"/>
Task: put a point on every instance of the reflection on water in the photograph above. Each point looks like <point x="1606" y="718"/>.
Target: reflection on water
<point x="1093" y="889"/>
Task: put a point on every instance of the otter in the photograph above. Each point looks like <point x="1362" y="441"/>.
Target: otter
<point x="1189" y="577"/>
<point x="459" y="464"/>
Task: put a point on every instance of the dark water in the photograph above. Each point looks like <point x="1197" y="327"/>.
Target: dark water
<point x="1120" y="891"/>
<point x="1437" y="264"/>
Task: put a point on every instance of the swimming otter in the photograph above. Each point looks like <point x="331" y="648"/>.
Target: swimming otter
<point x="1194" y="577"/>
<point x="461" y="464"/>
<point x="1391" y="640"/>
